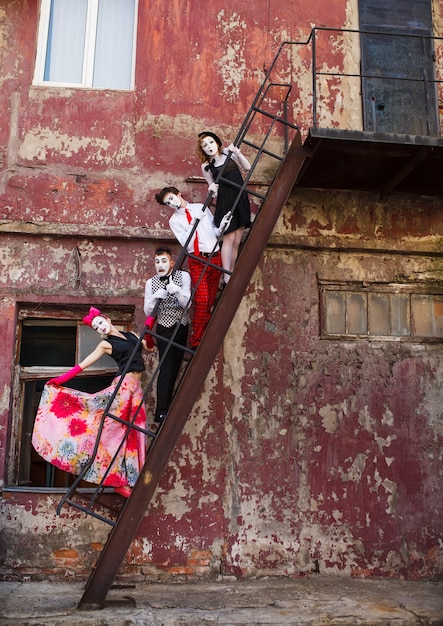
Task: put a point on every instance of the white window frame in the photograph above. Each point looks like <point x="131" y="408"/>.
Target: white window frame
<point x="88" y="53"/>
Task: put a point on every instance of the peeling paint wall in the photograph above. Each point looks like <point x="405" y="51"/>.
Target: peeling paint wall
<point x="302" y="453"/>
<point x="347" y="431"/>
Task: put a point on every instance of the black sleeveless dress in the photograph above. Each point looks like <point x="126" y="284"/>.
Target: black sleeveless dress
<point x="227" y="195"/>
<point x="122" y="351"/>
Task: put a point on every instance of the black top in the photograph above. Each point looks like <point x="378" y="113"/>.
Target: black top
<point x="227" y="195"/>
<point x="122" y="350"/>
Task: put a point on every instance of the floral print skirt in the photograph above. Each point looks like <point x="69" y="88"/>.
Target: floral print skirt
<point x="67" y="425"/>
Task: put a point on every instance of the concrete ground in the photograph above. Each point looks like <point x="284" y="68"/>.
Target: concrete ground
<point x="317" y="601"/>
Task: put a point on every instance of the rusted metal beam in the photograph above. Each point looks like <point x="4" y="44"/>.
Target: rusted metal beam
<point x="123" y="533"/>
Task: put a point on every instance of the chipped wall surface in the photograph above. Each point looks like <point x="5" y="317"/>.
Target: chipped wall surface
<point x="346" y="431"/>
<point x="302" y="453"/>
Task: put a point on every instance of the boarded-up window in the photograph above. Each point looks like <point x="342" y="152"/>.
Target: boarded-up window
<point x="381" y="311"/>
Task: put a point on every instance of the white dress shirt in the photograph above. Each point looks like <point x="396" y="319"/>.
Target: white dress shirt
<point x="207" y="231"/>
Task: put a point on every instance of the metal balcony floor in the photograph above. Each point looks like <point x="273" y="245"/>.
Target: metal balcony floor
<point x="372" y="161"/>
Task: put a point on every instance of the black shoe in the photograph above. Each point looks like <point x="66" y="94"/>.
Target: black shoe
<point x="160" y="418"/>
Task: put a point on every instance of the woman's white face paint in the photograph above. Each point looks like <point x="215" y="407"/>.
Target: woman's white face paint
<point x="209" y="146"/>
<point x="101" y="324"/>
<point x="162" y="264"/>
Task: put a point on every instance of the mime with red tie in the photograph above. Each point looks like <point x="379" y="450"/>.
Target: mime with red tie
<point x="202" y="244"/>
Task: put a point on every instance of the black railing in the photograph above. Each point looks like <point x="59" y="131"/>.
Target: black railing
<point x="334" y="55"/>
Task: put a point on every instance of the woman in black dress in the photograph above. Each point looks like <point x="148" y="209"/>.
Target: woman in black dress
<point x="68" y="421"/>
<point x="214" y="159"/>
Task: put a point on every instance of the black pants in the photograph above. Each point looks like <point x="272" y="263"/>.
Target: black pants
<point x="170" y="357"/>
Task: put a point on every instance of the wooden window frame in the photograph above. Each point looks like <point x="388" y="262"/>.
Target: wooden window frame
<point x="412" y="292"/>
<point x="20" y="427"/>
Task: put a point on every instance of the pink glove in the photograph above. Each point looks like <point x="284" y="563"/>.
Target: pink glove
<point x="64" y="377"/>
<point x="149" y="323"/>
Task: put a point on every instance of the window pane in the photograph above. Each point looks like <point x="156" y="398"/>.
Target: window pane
<point x="438" y="316"/>
<point x="334" y="313"/>
<point x="400" y="324"/>
<point x="88" y="340"/>
<point x="379" y="314"/>
<point x="48" y="344"/>
<point x="66" y="41"/>
<point x="422" y="315"/>
<point x="114" y="44"/>
<point x="356" y="322"/>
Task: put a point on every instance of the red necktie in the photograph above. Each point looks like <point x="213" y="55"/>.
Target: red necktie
<point x="196" y="249"/>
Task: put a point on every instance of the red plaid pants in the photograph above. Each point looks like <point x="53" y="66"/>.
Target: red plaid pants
<point x="204" y="295"/>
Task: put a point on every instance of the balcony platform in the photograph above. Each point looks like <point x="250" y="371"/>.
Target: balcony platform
<point x="372" y="161"/>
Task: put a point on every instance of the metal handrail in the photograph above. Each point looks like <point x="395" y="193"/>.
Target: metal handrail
<point x="312" y="41"/>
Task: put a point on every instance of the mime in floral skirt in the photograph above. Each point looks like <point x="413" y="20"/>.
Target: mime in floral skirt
<point x="68" y="421"/>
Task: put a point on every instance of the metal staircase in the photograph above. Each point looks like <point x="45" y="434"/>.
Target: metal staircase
<point x="278" y="157"/>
